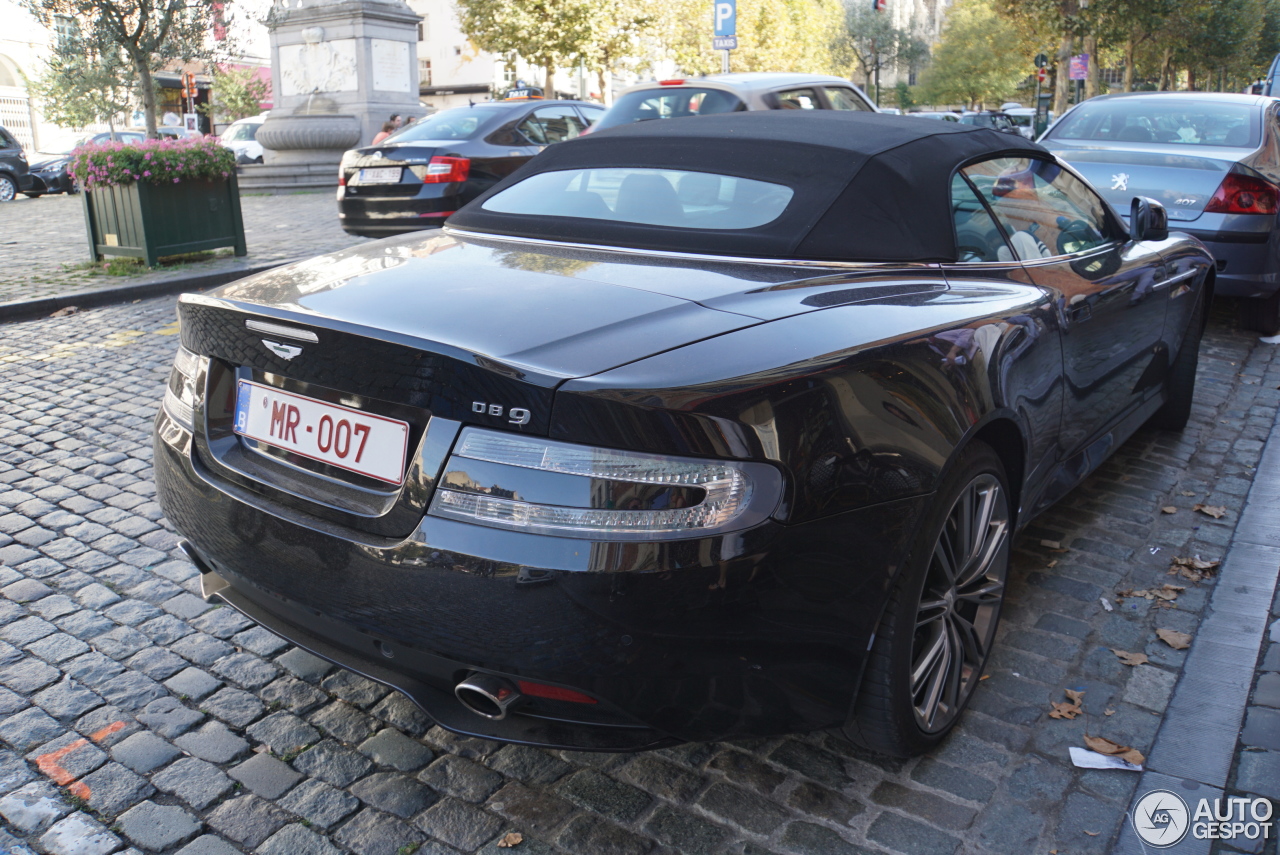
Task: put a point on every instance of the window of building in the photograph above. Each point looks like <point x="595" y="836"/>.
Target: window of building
<point x="424" y="72"/>
<point x="65" y="28"/>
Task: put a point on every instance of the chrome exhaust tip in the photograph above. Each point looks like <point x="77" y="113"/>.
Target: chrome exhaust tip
<point x="486" y="695"/>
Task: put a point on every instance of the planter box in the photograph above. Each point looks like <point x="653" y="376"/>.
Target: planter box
<point x="145" y="220"/>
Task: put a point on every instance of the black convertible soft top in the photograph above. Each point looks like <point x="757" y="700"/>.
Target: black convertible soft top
<point x="867" y="186"/>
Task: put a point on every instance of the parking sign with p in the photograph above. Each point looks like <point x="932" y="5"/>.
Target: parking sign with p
<point x="725" y="35"/>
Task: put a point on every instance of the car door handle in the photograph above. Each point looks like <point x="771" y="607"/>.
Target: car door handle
<point x="1174" y="280"/>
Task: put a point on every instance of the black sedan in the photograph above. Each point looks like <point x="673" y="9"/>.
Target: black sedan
<point x="423" y="173"/>
<point x="50" y="175"/>
<point x="686" y="430"/>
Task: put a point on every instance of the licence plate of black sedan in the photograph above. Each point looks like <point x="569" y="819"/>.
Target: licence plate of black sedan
<point x="350" y="439"/>
<point x="380" y="175"/>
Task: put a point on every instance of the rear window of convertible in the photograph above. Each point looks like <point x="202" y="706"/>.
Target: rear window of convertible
<point x="656" y="197"/>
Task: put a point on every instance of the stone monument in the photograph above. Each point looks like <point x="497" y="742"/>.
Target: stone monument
<point x="338" y="71"/>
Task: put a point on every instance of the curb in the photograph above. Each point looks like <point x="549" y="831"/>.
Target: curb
<point x="15" y="310"/>
<point x="1196" y="743"/>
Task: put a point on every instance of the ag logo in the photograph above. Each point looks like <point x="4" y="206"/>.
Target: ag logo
<point x="1161" y="818"/>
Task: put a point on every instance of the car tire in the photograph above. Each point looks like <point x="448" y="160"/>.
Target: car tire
<point x="922" y="669"/>
<point x="1261" y="314"/>
<point x="8" y="188"/>
<point x="1181" y="382"/>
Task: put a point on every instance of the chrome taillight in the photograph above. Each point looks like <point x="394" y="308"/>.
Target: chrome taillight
<point x="681" y="497"/>
<point x="181" y="395"/>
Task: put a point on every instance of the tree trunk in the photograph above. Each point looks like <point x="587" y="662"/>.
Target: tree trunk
<point x="1166" y="71"/>
<point x="147" y="86"/>
<point x="1191" y="78"/>
<point x="1093" y="77"/>
<point x="1062" y="79"/>
<point x="1129" y="50"/>
<point x="606" y="93"/>
<point x="549" y="88"/>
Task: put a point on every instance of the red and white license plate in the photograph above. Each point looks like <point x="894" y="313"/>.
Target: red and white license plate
<point x="340" y="436"/>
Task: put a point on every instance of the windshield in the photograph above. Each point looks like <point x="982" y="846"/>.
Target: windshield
<point x="460" y="123"/>
<point x="657" y="197"/>
<point x="1172" y="121"/>
<point x="669" y="104"/>
<point x="241" y="132"/>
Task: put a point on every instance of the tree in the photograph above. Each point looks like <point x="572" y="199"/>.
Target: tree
<point x="971" y="66"/>
<point x="81" y="86"/>
<point x="618" y="29"/>
<point x="871" y="41"/>
<point x="237" y="93"/>
<point x="773" y="35"/>
<point x="546" y="33"/>
<point x="148" y="33"/>
<point x="903" y="94"/>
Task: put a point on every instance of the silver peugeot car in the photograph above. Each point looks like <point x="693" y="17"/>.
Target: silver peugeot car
<point x="1211" y="158"/>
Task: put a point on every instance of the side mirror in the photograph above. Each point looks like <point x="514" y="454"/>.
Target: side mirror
<point x="1148" y="220"/>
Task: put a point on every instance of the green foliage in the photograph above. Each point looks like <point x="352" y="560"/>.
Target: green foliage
<point x="903" y="96"/>
<point x="869" y="41"/>
<point x="157" y="161"/>
<point x="773" y="35"/>
<point x="972" y="65"/>
<point x="147" y="34"/>
<point x="81" y="86"/>
<point x="547" y="33"/>
<point x="237" y="94"/>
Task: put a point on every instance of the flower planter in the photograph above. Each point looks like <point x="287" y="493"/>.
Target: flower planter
<point x="148" y="220"/>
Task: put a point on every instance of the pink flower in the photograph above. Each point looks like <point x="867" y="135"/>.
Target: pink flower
<point x="175" y="181"/>
<point x="147" y="174"/>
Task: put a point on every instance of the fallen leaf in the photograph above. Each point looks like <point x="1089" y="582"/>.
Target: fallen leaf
<point x="1067" y="711"/>
<point x="1092" y="833"/>
<point x="1193" y="569"/>
<point x="511" y="838"/>
<point x="1051" y="544"/>
<point x="1052" y="564"/>
<point x="1102" y="745"/>
<point x="984" y="677"/>
<point x="1169" y="509"/>
<point x="64" y="311"/>
<point x="1169" y="592"/>
<point x="1187" y="493"/>
<point x="1108" y="712"/>
<point x="1128" y="658"/>
<point x="1173" y="638"/>
<point x="1215" y="511"/>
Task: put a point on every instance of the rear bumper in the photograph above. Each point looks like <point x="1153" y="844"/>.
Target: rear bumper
<point x="371" y="214"/>
<point x="759" y="633"/>
<point x="1248" y="262"/>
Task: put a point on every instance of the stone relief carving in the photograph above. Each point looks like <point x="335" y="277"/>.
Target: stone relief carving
<point x="318" y="65"/>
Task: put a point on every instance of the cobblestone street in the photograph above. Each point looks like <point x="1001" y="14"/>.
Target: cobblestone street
<point x="137" y="718"/>
<point x="44" y="251"/>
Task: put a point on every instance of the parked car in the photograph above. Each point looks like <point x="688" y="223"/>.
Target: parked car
<point x="942" y="116"/>
<point x="1023" y="118"/>
<point x="728" y="93"/>
<point x="1212" y="159"/>
<point x="990" y="119"/>
<point x="686" y="431"/>
<point x="15" y="175"/>
<point x="50" y="176"/>
<point x="426" y="171"/>
<point x="241" y="137"/>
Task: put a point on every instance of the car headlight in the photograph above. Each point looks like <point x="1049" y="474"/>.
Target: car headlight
<point x="181" y="395"/>
<point x="599" y="493"/>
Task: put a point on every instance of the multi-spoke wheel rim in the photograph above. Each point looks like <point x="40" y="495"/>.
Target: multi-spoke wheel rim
<point x="960" y="603"/>
<point x="7" y="189"/>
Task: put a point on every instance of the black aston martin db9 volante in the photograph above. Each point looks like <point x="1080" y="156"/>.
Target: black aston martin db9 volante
<point x="685" y="430"/>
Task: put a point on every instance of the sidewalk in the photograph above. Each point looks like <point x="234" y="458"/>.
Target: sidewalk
<point x="44" y="252"/>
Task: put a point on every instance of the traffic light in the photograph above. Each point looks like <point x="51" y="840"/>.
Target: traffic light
<point x="189" y="87"/>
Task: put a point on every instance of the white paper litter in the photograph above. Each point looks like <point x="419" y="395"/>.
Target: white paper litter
<point x="1083" y="758"/>
<point x="1270" y="339"/>
<point x="1106" y="604"/>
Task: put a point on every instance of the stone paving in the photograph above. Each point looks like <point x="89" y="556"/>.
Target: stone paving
<point x="43" y="249"/>
<point x="136" y="718"/>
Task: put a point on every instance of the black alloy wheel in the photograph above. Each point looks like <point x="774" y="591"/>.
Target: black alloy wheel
<point x="940" y="621"/>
